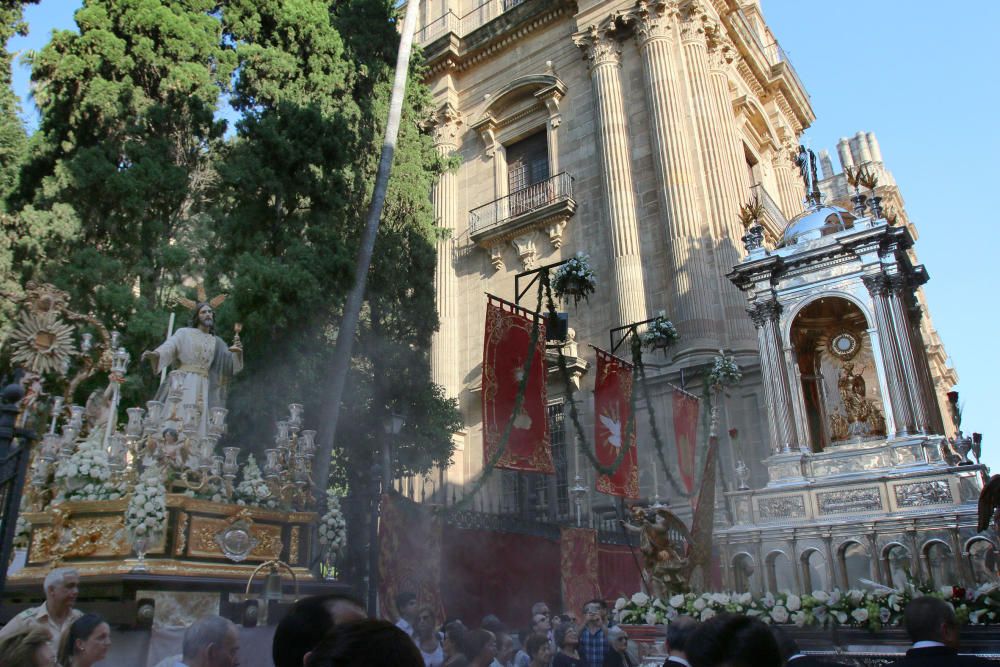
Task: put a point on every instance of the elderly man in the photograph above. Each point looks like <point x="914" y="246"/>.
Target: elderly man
<point x="211" y="641"/>
<point x="57" y="612"/>
<point x="932" y="626"/>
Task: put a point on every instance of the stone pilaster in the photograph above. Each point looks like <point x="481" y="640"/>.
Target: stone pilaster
<point x="777" y="389"/>
<point x="681" y="185"/>
<point x="896" y="295"/>
<point x="604" y="55"/>
<point x="935" y="421"/>
<point x="444" y="366"/>
<point x="899" y="399"/>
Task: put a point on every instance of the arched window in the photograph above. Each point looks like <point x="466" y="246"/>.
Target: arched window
<point x="743" y="570"/>
<point x="814" y="572"/>
<point x="941" y="563"/>
<point x="780" y="576"/>
<point x="983" y="560"/>
<point x="854" y="564"/>
<point x="897" y="563"/>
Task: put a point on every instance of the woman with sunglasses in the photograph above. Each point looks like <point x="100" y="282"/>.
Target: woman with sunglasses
<point x="618" y="656"/>
<point x="427" y="639"/>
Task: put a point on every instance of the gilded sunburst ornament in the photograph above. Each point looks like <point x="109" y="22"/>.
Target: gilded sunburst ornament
<point x="42" y="342"/>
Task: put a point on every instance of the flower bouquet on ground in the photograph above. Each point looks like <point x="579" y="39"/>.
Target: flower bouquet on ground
<point x="661" y="333"/>
<point x="575" y="279"/>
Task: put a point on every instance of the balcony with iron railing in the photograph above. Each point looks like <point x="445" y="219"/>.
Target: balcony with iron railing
<point x="469" y="22"/>
<point x="528" y="207"/>
<point x="774" y="220"/>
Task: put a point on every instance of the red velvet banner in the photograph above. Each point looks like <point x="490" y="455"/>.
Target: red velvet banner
<point x="618" y="571"/>
<point x="686" y="435"/>
<point x="578" y="567"/>
<point x="506" y="350"/>
<point x="612" y="409"/>
<point x="409" y="554"/>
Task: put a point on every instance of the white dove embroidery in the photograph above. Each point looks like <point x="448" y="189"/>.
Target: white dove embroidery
<point x="614" y="428"/>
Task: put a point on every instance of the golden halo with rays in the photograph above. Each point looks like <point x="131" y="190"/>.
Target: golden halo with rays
<point x="42" y="342"/>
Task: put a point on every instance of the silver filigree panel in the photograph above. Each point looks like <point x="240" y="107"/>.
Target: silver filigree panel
<point x="919" y="494"/>
<point x="786" y="507"/>
<point x="868" y="499"/>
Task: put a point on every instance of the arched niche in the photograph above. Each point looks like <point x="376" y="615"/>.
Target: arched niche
<point x="983" y="560"/>
<point x="897" y="563"/>
<point x="780" y="576"/>
<point x="940" y="563"/>
<point x="855" y="563"/>
<point x="838" y="372"/>
<point x="814" y="571"/>
<point x="743" y="571"/>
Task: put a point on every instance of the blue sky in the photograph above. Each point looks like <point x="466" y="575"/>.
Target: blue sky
<point x="925" y="82"/>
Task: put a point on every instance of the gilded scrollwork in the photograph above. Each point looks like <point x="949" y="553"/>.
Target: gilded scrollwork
<point x="293" y="547"/>
<point x="180" y="537"/>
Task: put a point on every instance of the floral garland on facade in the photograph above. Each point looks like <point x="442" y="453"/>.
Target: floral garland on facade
<point x="871" y="609"/>
<point x="575" y="278"/>
<point x="332" y="527"/>
<point x="146" y="515"/>
<point x="86" y="474"/>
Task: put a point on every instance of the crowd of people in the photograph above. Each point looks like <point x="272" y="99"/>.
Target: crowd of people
<point x="335" y="631"/>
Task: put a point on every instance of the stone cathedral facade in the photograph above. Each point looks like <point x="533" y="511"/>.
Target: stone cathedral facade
<point x="633" y="131"/>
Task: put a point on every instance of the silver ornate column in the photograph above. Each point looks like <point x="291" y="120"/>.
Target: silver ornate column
<point x="899" y="399"/>
<point x="604" y="55"/>
<point x="777" y="390"/>
<point x="901" y="324"/>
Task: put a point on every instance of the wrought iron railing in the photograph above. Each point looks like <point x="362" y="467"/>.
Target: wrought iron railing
<point x="462" y="26"/>
<point x="448" y="22"/>
<point x="783" y="57"/>
<point x="771" y="208"/>
<point x="520" y="202"/>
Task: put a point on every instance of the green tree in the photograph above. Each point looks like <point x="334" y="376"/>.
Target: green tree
<point x="113" y="189"/>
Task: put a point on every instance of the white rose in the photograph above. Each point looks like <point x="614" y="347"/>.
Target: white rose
<point x="620" y="604"/>
<point x="699" y="604"/>
<point x="640" y="598"/>
<point x="745" y="598"/>
<point x="799" y="618"/>
<point x="821" y="596"/>
<point x="650" y="618"/>
<point x="676" y="601"/>
<point x="707" y="614"/>
<point x="841" y="616"/>
<point x="794" y="603"/>
<point x="860" y="615"/>
<point x="779" y="614"/>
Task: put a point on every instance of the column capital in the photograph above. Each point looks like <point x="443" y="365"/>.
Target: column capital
<point x="877" y="284"/>
<point x="721" y="50"/>
<point x="599" y="46"/>
<point x="651" y="20"/>
<point x="694" y="20"/>
<point x="447" y="122"/>
<point x="763" y="312"/>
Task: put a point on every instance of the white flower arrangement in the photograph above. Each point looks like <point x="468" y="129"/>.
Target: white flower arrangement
<point x="22" y="533"/>
<point x="661" y="333"/>
<point x="575" y="278"/>
<point x="146" y="515"/>
<point x="332" y="527"/>
<point x="872" y="609"/>
<point x="725" y="372"/>
<point x="253" y="490"/>
<point x="86" y="475"/>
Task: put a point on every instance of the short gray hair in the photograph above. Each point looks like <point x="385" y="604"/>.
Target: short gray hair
<point x="57" y="576"/>
<point x="614" y="632"/>
<point x="204" y="632"/>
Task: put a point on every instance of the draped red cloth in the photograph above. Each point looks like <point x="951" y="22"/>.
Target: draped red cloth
<point x="506" y="349"/>
<point x="685" y="435"/>
<point x="578" y="567"/>
<point x="612" y="410"/>
<point x="618" y="571"/>
<point x="409" y="554"/>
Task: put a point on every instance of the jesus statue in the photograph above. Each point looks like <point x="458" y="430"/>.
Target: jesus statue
<point x="205" y="360"/>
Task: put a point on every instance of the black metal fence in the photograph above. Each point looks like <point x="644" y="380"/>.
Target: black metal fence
<point x="15" y="450"/>
<point x="551" y="190"/>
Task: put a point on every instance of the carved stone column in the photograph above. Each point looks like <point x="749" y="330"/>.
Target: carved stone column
<point x="908" y="356"/>
<point x="791" y="191"/>
<point x="680" y="181"/>
<point x="874" y="560"/>
<point x="899" y="399"/>
<point x="604" y="54"/>
<point x="793" y="553"/>
<point x="935" y="421"/>
<point x="444" y="366"/>
<point x="777" y="389"/>
<point x="831" y="565"/>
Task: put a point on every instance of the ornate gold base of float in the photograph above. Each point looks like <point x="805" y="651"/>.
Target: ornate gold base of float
<point x="203" y="539"/>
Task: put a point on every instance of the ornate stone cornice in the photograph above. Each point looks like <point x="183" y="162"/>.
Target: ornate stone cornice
<point x="599" y="46"/>
<point x="877" y="284"/>
<point x="763" y="312"/>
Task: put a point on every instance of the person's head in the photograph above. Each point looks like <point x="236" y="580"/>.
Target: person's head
<point x="931" y="619"/>
<point x="406" y="605"/>
<point x="211" y="641"/>
<point x="679" y="631"/>
<point x="203" y="317"/>
<point x="566" y="636"/>
<point x="480" y="646"/>
<point x="454" y="638"/>
<point x="29" y="648"/>
<point x="539" y="649"/>
<point x="505" y="648"/>
<point x="786" y="644"/>
<point x="87" y="641"/>
<point x="307" y="623"/>
<point x="540" y="623"/>
<point x="568" y="617"/>
<point x="731" y="640"/>
<point x="618" y="639"/>
<point x="61" y="588"/>
<point x="424" y="625"/>
<point x="541" y="608"/>
<point x="593" y="612"/>
<point x="492" y="623"/>
<point x="369" y="642"/>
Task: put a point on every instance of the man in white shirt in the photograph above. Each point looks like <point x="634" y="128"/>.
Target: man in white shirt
<point x="57" y="612"/>
<point x="932" y="626"/>
<point x="406" y="605"/>
<point x="678" y="632"/>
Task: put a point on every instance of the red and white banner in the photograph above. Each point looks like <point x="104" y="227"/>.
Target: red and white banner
<point x="506" y="349"/>
<point x="612" y="410"/>
<point x="686" y="435"/>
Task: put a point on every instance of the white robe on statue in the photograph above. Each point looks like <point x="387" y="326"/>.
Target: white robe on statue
<point x="208" y="365"/>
